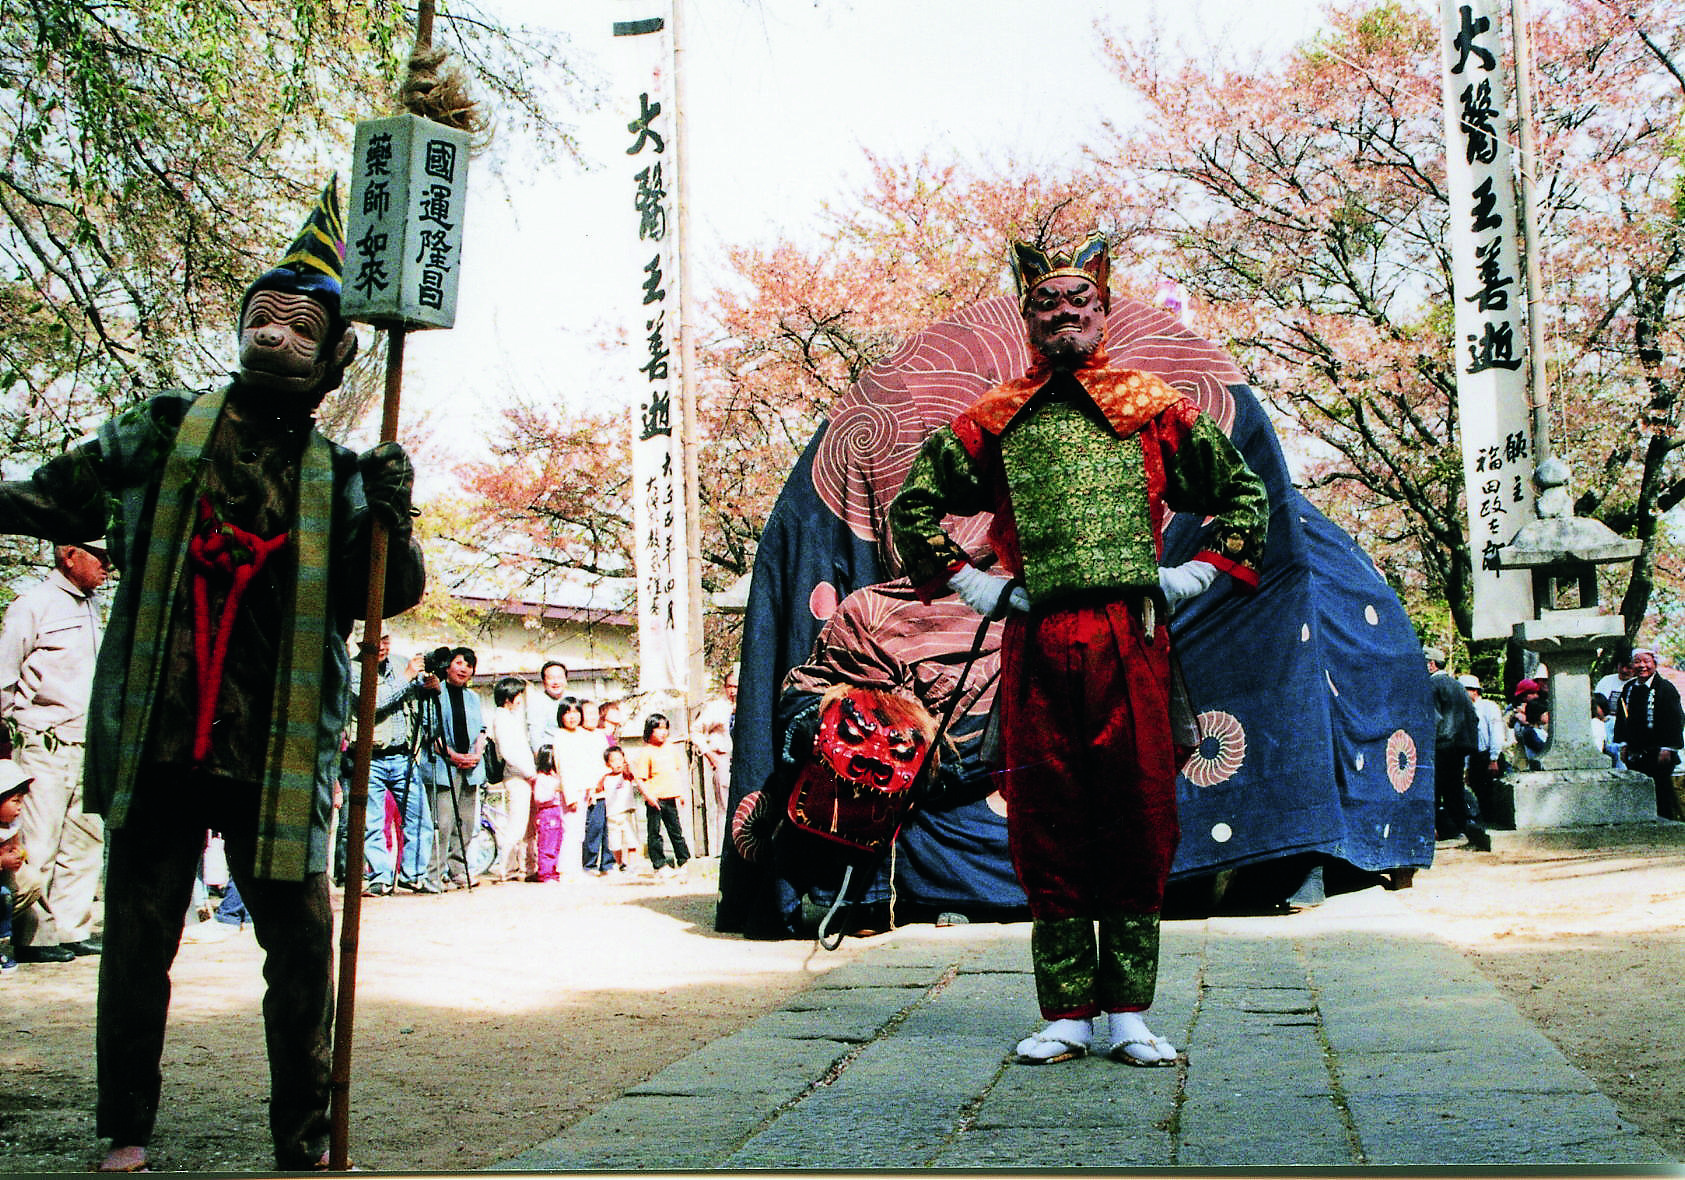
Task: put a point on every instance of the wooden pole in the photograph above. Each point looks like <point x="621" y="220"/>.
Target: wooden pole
<point x="356" y="805"/>
<point x="696" y="687"/>
<point x="354" y="813"/>
<point x="1539" y="401"/>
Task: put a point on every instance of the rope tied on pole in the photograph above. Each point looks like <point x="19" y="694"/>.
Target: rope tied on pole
<point x="436" y="88"/>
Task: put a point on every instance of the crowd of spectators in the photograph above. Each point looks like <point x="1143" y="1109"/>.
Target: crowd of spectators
<point x="537" y="788"/>
<point x="1636" y="722"/>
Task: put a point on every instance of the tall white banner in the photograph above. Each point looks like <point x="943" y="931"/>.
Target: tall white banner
<point x="642" y="104"/>
<point x="1491" y="297"/>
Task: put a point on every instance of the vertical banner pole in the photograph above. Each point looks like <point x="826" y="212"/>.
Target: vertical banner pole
<point x="696" y="684"/>
<point x="404" y="245"/>
<point x="355" y="812"/>
<point x="1534" y="251"/>
<point x="1492" y="411"/>
<point x="652" y="291"/>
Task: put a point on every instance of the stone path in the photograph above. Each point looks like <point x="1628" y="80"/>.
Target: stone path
<point x="1340" y="1036"/>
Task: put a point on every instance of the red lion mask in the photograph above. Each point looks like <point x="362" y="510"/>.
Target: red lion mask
<point x="870" y="749"/>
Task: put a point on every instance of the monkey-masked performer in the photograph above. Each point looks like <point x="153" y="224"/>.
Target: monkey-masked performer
<point x="859" y="759"/>
<point x="242" y="535"/>
<point x="1081" y="464"/>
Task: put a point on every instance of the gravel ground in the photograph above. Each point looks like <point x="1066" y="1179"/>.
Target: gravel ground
<point x="488" y="1021"/>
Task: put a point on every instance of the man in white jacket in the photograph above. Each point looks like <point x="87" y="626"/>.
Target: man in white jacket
<point x="509" y="732"/>
<point x="47" y="649"/>
<point x="1483" y="763"/>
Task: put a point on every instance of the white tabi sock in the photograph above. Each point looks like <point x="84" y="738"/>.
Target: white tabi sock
<point x="1130" y="1035"/>
<point x="1057" y="1039"/>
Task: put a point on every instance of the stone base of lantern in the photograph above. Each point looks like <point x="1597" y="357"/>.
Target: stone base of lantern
<point x="1575" y="798"/>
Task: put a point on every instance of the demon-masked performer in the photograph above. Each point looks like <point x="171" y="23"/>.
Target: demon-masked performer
<point x="242" y="535"/>
<point x="1081" y="465"/>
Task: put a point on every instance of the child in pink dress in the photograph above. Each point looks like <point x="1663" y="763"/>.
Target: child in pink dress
<point x="546" y="813"/>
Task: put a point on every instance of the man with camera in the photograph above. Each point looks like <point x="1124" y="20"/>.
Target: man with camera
<point x="393" y="773"/>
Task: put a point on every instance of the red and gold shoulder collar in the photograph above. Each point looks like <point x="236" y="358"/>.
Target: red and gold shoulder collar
<point x="1129" y="398"/>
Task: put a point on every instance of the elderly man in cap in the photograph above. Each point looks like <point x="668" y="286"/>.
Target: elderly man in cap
<point x="1456" y="736"/>
<point x="1081" y="464"/>
<point x="47" y="649"/>
<point x="1650" y="728"/>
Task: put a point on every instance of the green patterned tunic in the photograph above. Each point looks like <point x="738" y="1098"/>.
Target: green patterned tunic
<point x="1079" y="505"/>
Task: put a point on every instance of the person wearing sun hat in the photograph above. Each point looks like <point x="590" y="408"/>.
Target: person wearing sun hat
<point x="243" y="538"/>
<point x="1484" y="762"/>
<point x="1456" y="736"/>
<point x="47" y="648"/>
<point x="1081" y="464"/>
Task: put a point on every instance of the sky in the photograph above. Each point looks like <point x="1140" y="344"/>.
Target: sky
<point x="783" y="101"/>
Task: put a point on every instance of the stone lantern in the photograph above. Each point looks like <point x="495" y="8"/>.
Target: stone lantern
<point x="1575" y="785"/>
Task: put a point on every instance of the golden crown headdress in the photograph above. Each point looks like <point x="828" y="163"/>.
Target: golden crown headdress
<point x="1032" y="266"/>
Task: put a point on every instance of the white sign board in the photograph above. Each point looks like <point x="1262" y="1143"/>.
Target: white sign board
<point x="1491" y="295"/>
<point x="647" y="285"/>
<point x="403" y="236"/>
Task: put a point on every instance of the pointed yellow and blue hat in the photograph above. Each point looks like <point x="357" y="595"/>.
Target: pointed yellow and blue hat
<point x="315" y="261"/>
<point x="320" y="245"/>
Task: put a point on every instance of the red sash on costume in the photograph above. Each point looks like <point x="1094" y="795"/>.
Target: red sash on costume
<point x="228" y="552"/>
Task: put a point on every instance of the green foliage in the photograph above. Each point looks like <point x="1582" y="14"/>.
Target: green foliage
<point x="163" y="152"/>
<point x="1382" y="26"/>
<point x="1435" y="626"/>
<point x="1485" y="658"/>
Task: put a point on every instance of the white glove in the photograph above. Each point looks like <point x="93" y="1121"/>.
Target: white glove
<point x="1185" y="581"/>
<point x="981" y="591"/>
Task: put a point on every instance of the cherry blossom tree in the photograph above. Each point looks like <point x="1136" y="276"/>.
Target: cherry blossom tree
<point x="1302" y="200"/>
<point x="921" y="242"/>
<point x="787" y="337"/>
<point x="1303" y="203"/>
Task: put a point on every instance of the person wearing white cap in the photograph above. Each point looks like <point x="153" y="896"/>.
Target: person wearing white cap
<point x="1456" y="736"/>
<point x="1483" y="763"/>
<point x="47" y="648"/>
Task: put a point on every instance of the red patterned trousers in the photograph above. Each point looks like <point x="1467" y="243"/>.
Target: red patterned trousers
<point x="1090" y="786"/>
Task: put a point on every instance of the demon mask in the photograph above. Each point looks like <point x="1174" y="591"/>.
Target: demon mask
<point x="870" y="750"/>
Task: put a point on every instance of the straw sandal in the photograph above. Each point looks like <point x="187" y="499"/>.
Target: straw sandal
<point x="1157" y="1045"/>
